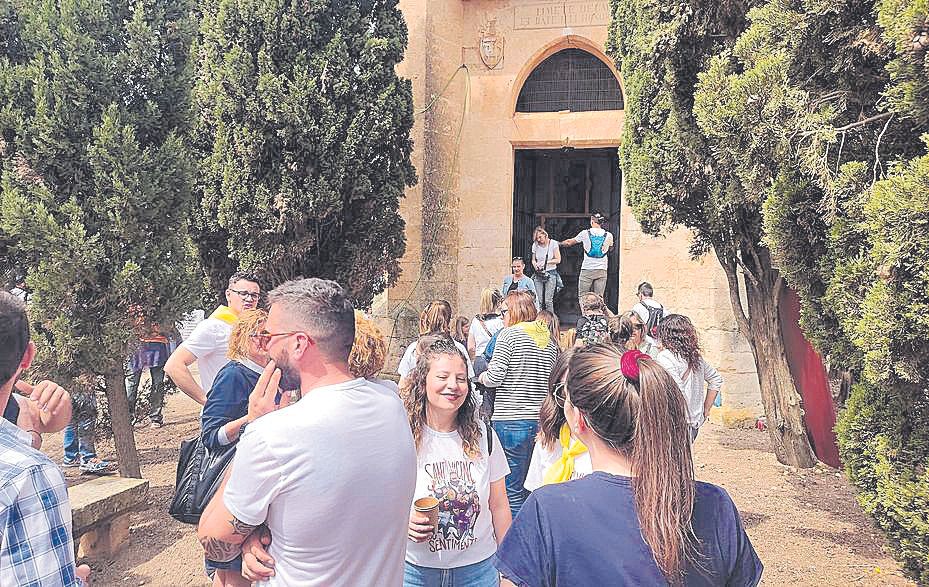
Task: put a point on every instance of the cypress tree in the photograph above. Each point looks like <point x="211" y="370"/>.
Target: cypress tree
<point x="96" y="185"/>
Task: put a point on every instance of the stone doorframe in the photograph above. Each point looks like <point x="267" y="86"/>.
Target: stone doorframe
<point x="555" y="130"/>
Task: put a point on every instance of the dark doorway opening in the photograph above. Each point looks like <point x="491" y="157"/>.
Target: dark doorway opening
<point x="559" y="189"/>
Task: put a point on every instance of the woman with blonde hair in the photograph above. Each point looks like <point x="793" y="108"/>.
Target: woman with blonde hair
<point x="436" y="318"/>
<point x="369" y="349"/>
<point x="519" y="369"/>
<point x="487" y="322"/>
<point x="627" y="330"/>
<point x="546" y="255"/>
<point x="639" y="518"/>
<point x="458" y="466"/>
<point x="226" y="410"/>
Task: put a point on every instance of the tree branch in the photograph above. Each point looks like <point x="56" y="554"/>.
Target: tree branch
<point x="853" y="125"/>
<point x="735" y="299"/>
<point x="877" y="147"/>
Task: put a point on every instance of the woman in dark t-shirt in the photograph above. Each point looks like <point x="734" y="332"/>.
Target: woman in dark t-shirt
<point x="639" y="518"/>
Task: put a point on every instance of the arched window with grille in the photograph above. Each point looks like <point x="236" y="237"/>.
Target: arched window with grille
<point x="571" y="79"/>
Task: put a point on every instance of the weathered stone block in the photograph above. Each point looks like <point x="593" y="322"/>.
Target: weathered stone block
<point x="100" y="512"/>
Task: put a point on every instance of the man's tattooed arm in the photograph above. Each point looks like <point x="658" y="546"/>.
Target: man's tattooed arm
<point x="222" y="550"/>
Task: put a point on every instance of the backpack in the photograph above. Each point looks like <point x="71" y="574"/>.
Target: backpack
<point x="654" y="318"/>
<point x="593" y="329"/>
<point x="597" y="245"/>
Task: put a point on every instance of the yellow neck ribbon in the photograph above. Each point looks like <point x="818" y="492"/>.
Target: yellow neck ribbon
<point x="562" y="469"/>
<point x="537" y="331"/>
<point x="225" y="314"/>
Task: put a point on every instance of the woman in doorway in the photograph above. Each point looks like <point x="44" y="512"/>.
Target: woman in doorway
<point x="546" y="256"/>
<point x="519" y="370"/>
<point x="639" y="518"/>
<point x="457" y="465"/>
<point x="680" y="355"/>
<point x="557" y="456"/>
<point x="226" y="411"/>
<point x="518" y="280"/>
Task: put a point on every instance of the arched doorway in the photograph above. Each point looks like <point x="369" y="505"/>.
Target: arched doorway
<point x="559" y="188"/>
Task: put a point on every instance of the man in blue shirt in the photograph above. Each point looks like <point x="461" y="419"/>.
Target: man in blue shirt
<point x="36" y="548"/>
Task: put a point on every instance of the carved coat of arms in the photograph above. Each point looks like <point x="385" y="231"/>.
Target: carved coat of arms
<point x="492" y="44"/>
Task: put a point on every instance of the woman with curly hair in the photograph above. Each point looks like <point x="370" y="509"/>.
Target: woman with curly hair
<point x="680" y="355"/>
<point x="458" y="466"/>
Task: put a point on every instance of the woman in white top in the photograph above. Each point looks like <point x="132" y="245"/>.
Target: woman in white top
<point x="459" y="462"/>
<point x="680" y="356"/>
<point x="557" y="456"/>
<point x="436" y="318"/>
<point x="486" y="323"/>
<point x="546" y="256"/>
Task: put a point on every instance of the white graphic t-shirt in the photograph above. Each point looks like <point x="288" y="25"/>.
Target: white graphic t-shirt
<point x="462" y="486"/>
<point x="209" y="342"/>
<point x="543" y="458"/>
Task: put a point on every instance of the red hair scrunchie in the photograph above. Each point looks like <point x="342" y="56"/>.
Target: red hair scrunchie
<point x="629" y="364"/>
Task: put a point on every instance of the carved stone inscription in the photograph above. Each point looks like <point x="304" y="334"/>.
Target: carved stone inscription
<point x="562" y="14"/>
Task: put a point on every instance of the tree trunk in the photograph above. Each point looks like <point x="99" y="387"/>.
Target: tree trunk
<point x="762" y="328"/>
<point x="123" y="434"/>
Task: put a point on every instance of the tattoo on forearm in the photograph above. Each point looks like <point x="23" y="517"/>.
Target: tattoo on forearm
<point x="220" y="550"/>
<point x="240" y="528"/>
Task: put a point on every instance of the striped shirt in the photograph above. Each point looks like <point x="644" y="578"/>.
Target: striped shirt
<point x="519" y="370"/>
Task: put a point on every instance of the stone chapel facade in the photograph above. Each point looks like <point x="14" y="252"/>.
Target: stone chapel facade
<point x="519" y="117"/>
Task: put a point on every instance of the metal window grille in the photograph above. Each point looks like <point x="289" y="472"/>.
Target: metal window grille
<point x="570" y="79"/>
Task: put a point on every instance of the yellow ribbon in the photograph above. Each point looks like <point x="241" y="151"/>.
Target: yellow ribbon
<point x="537" y="331"/>
<point x="225" y="314"/>
<point x="562" y="469"/>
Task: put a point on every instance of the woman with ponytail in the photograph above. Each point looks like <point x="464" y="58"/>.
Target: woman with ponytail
<point x="639" y="518"/>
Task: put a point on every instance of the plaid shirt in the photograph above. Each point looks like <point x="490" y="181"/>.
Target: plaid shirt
<point x="35" y="516"/>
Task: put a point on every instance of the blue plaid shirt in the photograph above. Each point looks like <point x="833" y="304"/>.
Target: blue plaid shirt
<point x="35" y="517"/>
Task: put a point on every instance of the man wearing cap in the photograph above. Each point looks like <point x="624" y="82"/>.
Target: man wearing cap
<point x="597" y="243"/>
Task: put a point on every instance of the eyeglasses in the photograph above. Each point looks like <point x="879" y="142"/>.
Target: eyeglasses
<point x="246" y="295"/>
<point x="560" y="393"/>
<point x="503" y="312"/>
<point x="263" y="338"/>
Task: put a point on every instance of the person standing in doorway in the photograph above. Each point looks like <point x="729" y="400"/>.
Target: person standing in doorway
<point x="518" y="280"/>
<point x="545" y="259"/>
<point x="597" y="243"/>
<point x="209" y="341"/>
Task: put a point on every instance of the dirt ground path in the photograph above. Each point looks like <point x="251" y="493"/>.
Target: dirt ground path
<point x="806" y="526"/>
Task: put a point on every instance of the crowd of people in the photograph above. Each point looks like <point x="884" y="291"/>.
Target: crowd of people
<point x="510" y="452"/>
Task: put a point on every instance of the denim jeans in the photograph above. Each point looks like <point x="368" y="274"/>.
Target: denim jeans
<point x="517" y="437"/>
<point x="155" y="400"/>
<point x="79" y="439"/>
<point x="482" y="574"/>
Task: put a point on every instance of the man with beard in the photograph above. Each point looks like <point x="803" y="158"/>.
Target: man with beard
<point x="331" y="476"/>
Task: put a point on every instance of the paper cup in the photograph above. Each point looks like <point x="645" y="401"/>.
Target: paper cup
<point x="430" y="507"/>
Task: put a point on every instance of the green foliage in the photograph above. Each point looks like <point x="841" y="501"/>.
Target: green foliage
<point x="884" y="438"/>
<point x="303" y="128"/>
<point x="817" y="111"/>
<point x="96" y="179"/>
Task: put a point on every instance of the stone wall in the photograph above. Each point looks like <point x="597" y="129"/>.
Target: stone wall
<point x="464" y="149"/>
